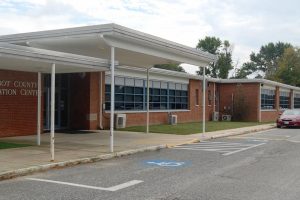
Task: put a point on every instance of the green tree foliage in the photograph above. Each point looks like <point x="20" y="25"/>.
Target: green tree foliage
<point x="265" y="61"/>
<point x="289" y="67"/>
<point x="246" y="69"/>
<point x="173" y="67"/>
<point x="210" y="44"/>
<point x="223" y="50"/>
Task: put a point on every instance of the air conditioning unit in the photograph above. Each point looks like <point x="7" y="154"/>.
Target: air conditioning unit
<point x="226" y="117"/>
<point x="173" y="119"/>
<point x="215" y="116"/>
<point x="120" y="121"/>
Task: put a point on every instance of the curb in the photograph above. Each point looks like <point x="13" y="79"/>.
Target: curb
<point x="242" y="132"/>
<point x="45" y="167"/>
<point x="223" y="135"/>
<point x="188" y="142"/>
<point x="41" y="168"/>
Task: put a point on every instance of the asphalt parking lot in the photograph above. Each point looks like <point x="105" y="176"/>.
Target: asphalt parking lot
<point x="262" y="165"/>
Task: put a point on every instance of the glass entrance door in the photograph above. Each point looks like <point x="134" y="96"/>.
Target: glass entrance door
<point x="62" y="85"/>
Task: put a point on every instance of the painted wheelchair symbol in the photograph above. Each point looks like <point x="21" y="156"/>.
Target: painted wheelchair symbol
<point x="166" y="164"/>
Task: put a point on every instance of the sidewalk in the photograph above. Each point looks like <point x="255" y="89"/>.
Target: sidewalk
<point x="88" y="146"/>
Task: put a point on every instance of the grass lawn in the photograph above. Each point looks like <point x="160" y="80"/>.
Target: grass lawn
<point x="7" y="145"/>
<point x="191" y="128"/>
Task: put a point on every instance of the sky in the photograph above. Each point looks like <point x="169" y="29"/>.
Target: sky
<point x="247" y="24"/>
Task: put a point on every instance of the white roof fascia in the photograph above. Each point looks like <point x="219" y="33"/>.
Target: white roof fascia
<point x="42" y="55"/>
<point x="160" y="41"/>
<point x="113" y="32"/>
<point x="166" y="72"/>
<point x="284" y="90"/>
<point x="59" y="33"/>
<point x="134" y="40"/>
<point x="269" y="87"/>
<point x="197" y="77"/>
<point x="263" y="81"/>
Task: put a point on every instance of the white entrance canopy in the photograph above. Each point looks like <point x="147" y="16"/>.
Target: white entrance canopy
<point x="20" y="58"/>
<point x="28" y="59"/>
<point x="133" y="48"/>
<point x="130" y="47"/>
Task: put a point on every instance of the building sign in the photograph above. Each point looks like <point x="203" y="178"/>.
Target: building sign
<point x="18" y="88"/>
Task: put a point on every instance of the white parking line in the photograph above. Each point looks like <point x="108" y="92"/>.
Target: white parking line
<point x="111" y="189"/>
<point x="225" y="148"/>
<point x="230" y="153"/>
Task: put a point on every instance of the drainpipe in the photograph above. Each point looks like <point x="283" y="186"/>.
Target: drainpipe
<point x="39" y="102"/>
<point x="203" y="103"/>
<point x="100" y="101"/>
<point x="148" y="99"/>
<point x="52" y="125"/>
<point x="112" y="99"/>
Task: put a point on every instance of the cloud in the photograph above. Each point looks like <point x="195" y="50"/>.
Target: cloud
<point x="246" y="24"/>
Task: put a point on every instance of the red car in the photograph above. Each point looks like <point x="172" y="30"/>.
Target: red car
<point x="289" y="118"/>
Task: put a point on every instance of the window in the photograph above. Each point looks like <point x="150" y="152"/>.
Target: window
<point x="178" y="96"/>
<point x="267" y="99"/>
<point x="131" y="94"/>
<point x="284" y="100"/>
<point x="297" y="100"/>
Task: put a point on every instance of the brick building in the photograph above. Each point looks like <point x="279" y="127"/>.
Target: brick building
<point x="83" y="97"/>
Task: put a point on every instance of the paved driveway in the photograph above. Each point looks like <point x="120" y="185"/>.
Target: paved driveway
<point x="267" y="171"/>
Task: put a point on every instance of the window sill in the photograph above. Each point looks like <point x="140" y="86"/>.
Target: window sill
<point x="270" y="110"/>
<point x="144" y="111"/>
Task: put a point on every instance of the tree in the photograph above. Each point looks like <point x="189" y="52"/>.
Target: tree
<point x="289" y="67"/>
<point x="173" y="67"/>
<point x="266" y="61"/>
<point x="246" y="69"/>
<point x="223" y="50"/>
<point x="210" y="44"/>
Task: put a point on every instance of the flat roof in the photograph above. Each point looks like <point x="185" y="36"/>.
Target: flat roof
<point x="133" y="48"/>
<point x="216" y="80"/>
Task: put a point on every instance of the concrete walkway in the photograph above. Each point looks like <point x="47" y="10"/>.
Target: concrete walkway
<point x="79" y="145"/>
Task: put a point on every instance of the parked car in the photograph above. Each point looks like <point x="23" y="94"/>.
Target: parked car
<point x="289" y="118"/>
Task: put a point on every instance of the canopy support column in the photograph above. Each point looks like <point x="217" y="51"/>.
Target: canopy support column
<point x="52" y="126"/>
<point x="203" y="103"/>
<point x="39" y="98"/>
<point x="112" y="99"/>
<point x="148" y="99"/>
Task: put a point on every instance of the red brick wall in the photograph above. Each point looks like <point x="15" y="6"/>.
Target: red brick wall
<point x="195" y="113"/>
<point x="84" y="101"/>
<point x="94" y="100"/>
<point x="18" y="113"/>
<point x="269" y="116"/>
<point x="251" y="92"/>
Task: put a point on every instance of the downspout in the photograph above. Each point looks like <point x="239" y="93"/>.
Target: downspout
<point x="259" y="104"/>
<point x="232" y="104"/>
<point x="100" y="101"/>
<point x="214" y="99"/>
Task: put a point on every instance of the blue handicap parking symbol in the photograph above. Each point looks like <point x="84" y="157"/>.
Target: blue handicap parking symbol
<point x="165" y="163"/>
